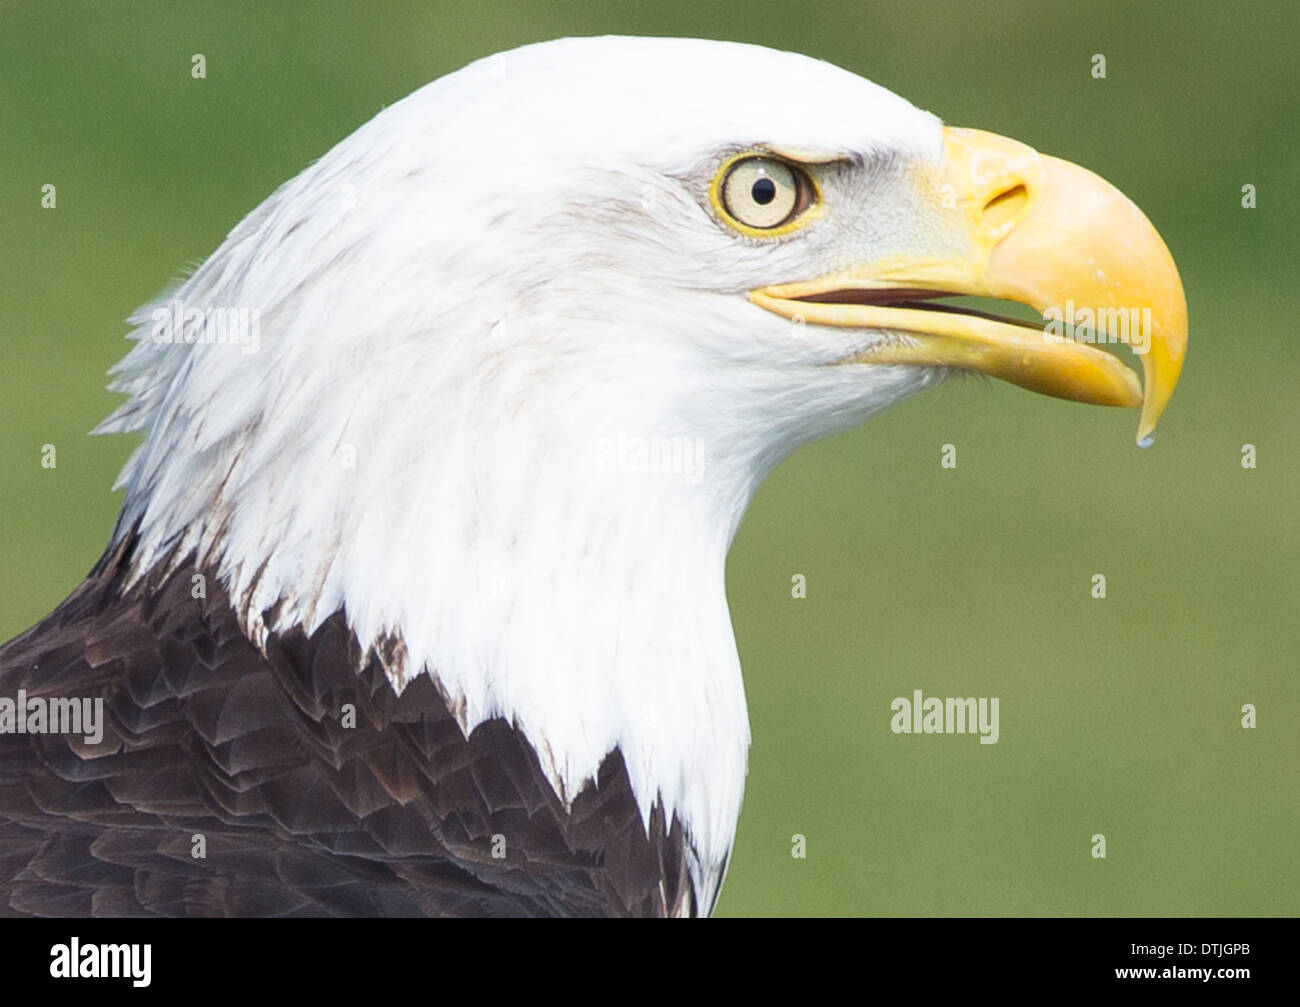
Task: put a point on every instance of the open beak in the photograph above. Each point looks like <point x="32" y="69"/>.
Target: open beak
<point x="1032" y="229"/>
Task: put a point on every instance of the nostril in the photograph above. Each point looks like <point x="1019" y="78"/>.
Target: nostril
<point x="1005" y="206"/>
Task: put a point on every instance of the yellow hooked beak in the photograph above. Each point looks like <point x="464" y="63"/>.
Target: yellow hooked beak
<point x="1032" y="229"/>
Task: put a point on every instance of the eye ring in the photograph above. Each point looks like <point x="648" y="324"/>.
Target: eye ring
<point x="763" y="196"/>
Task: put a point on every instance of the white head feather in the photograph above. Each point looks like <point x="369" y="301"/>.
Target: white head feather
<point x="470" y="312"/>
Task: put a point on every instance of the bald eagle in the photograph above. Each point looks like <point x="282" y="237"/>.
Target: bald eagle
<point x="415" y="605"/>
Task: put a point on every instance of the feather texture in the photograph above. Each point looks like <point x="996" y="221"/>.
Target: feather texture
<point x="400" y="815"/>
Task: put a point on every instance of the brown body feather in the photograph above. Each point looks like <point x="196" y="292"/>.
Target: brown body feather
<point x="300" y="815"/>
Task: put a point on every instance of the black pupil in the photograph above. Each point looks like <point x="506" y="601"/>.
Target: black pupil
<point x="764" y="191"/>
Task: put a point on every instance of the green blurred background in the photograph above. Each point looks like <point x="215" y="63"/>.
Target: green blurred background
<point x="1119" y="716"/>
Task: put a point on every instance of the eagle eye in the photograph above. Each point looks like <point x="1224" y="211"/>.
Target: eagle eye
<point x="763" y="195"/>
